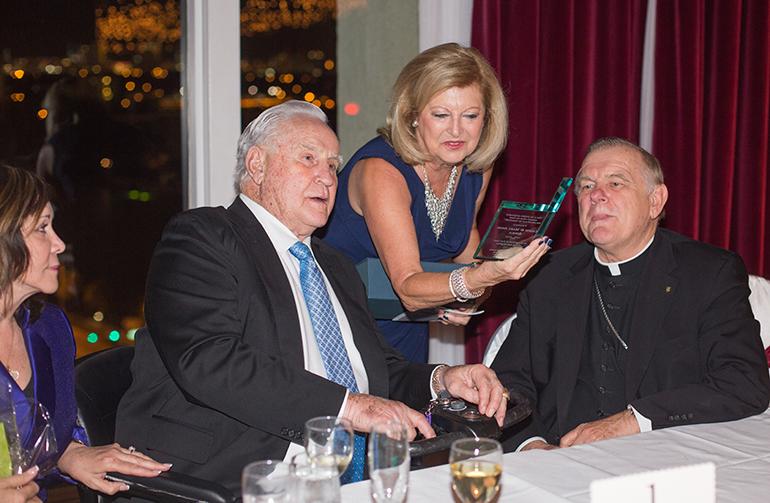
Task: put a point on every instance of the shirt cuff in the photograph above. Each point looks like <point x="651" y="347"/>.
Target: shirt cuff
<point x="644" y="423"/>
<point x="344" y="403"/>
<point x="433" y="394"/>
<point x="527" y="442"/>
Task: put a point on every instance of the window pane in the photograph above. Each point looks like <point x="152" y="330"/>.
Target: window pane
<point x="89" y="97"/>
<point x="288" y="51"/>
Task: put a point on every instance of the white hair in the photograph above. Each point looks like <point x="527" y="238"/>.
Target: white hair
<point x="262" y="129"/>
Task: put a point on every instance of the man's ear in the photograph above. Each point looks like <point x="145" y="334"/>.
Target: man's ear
<point x="658" y="198"/>
<point x="255" y="164"/>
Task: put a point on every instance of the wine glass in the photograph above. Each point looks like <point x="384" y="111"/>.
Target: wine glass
<point x="476" y="464"/>
<point x="389" y="461"/>
<point x="267" y="481"/>
<point x="329" y="441"/>
<point x="314" y="483"/>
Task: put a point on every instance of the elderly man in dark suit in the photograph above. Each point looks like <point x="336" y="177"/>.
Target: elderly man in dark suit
<point x="254" y="327"/>
<point x="636" y="328"/>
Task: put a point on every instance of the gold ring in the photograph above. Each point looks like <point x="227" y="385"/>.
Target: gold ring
<point x="506" y="394"/>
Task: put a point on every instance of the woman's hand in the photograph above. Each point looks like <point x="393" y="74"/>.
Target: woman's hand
<point x="492" y="272"/>
<point x="20" y="488"/>
<point x="457" y="316"/>
<point x="89" y="465"/>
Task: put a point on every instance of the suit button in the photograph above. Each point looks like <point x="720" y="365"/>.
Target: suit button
<point x="284" y="431"/>
<point x="689" y="416"/>
<point x="602" y="389"/>
<point x="291" y="433"/>
<point x="670" y="418"/>
<point x="612" y="284"/>
<point x="604" y="368"/>
<point x="600" y="413"/>
<point x="677" y="417"/>
<point x="557" y="439"/>
<point x="606" y="345"/>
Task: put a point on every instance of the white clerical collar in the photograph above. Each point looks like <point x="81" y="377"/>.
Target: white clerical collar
<point x="280" y="235"/>
<point x="614" y="267"/>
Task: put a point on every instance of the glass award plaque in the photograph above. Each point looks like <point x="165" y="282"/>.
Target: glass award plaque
<point x="517" y="224"/>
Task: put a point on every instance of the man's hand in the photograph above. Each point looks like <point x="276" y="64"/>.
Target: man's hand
<point x="477" y="384"/>
<point x="365" y="410"/>
<point x="89" y="465"/>
<point x="618" y="425"/>
<point x="538" y="444"/>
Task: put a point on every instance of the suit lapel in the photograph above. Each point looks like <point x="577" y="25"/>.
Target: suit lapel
<point x="273" y="279"/>
<point x="571" y="323"/>
<point x="657" y="287"/>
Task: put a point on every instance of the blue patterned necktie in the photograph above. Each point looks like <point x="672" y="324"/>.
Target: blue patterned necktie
<point x="327" y="333"/>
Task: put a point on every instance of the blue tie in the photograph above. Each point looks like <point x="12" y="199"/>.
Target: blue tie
<point x="329" y="337"/>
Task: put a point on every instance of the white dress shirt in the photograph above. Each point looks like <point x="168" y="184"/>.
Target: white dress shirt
<point x="282" y="239"/>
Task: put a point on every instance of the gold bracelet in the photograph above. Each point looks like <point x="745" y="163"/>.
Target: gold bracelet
<point x="436" y="381"/>
<point x="78" y="441"/>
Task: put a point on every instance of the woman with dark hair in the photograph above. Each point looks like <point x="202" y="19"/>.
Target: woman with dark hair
<point x="37" y="348"/>
<point x="413" y="193"/>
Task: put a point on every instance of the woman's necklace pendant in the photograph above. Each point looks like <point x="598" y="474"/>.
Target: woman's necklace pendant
<point x="14" y="373"/>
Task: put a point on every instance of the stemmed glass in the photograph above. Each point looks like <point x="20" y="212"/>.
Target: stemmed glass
<point x="476" y="464"/>
<point x="389" y="461"/>
<point x="267" y="481"/>
<point x="329" y="441"/>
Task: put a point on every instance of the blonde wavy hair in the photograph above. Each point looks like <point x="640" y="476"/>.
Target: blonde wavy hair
<point x="432" y="72"/>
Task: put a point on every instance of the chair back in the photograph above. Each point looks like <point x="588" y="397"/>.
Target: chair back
<point x="101" y="379"/>
<point x="497" y="340"/>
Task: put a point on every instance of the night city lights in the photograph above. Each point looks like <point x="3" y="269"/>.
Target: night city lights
<point x="91" y="98"/>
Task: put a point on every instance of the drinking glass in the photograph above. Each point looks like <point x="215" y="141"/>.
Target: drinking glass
<point x="476" y="464"/>
<point x="314" y="483"/>
<point x="389" y="461"/>
<point x="267" y="481"/>
<point x="329" y="441"/>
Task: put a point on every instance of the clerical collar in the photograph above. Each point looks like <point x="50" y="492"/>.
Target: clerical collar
<point x="614" y="267"/>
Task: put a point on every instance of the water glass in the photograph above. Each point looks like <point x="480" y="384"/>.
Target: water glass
<point x="267" y="481"/>
<point x="476" y="465"/>
<point x="314" y="483"/>
<point x="389" y="461"/>
<point x="329" y="441"/>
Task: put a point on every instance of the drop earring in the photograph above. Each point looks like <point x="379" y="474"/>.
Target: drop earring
<point x="414" y="123"/>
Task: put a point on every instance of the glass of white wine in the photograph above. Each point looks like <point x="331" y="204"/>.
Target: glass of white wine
<point x="329" y="441"/>
<point x="389" y="461"/>
<point x="476" y="464"/>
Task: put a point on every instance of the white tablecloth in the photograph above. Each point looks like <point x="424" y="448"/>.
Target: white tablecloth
<point x="740" y="450"/>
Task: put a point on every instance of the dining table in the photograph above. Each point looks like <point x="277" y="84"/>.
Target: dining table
<point x="740" y="451"/>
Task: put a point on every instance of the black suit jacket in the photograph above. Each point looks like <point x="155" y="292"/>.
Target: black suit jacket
<point x="695" y="355"/>
<point x="219" y="377"/>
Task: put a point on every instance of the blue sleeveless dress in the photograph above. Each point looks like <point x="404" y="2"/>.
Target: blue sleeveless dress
<point x="347" y="232"/>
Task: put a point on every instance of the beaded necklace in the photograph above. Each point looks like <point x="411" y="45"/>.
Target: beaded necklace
<point x="438" y="207"/>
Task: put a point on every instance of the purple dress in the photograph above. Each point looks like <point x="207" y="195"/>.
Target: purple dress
<point x="347" y="232"/>
<point x="51" y="348"/>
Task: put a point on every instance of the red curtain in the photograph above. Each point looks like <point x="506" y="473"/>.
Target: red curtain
<point x="712" y="110"/>
<point x="572" y="72"/>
